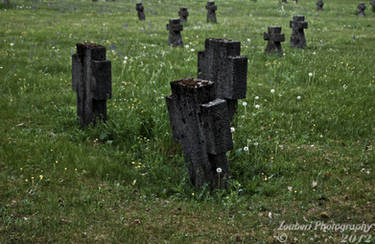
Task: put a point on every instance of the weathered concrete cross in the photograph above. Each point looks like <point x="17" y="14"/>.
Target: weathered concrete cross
<point x="91" y="79"/>
<point x="298" y="25"/>
<point x="183" y="13"/>
<point x="274" y="38"/>
<point x="140" y="10"/>
<point x="211" y="11"/>
<point x="175" y="27"/>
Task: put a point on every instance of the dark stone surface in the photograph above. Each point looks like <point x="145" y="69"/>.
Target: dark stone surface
<point x="6" y="1"/>
<point x="91" y="79"/>
<point x="319" y="5"/>
<point x="274" y="38"/>
<point x="361" y="9"/>
<point x="175" y="27"/>
<point x="141" y="11"/>
<point x="284" y="1"/>
<point x="221" y="63"/>
<point x="298" y="25"/>
<point x="200" y="124"/>
<point x="372" y="3"/>
<point x="183" y="13"/>
<point x="211" y="12"/>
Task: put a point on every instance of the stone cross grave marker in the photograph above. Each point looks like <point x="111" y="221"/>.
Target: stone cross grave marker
<point x="361" y="9"/>
<point x="141" y="11"/>
<point x="221" y="63"/>
<point x="175" y="27"/>
<point x="298" y="25"/>
<point x="91" y="79"/>
<point x="183" y="13"/>
<point x="274" y="38"/>
<point x="200" y="124"/>
<point x="372" y="3"/>
<point x="211" y="11"/>
<point x="319" y="5"/>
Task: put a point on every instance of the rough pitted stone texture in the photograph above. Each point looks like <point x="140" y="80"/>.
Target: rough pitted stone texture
<point x="200" y="124"/>
<point x="319" y="5"/>
<point x="298" y="25"/>
<point x="91" y="79"/>
<point x="221" y="63"/>
<point x="361" y="9"/>
<point x="274" y="38"/>
<point x="183" y="13"/>
<point x="211" y="12"/>
<point x="141" y="11"/>
<point x="175" y="27"/>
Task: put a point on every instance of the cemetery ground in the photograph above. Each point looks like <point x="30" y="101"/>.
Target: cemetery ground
<point x="303" y="138"/>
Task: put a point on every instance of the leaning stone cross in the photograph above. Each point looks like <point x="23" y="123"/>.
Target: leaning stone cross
<point x="200" y="124"/>
<point x="91" y="79"/>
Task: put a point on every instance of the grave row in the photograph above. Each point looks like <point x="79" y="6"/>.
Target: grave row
<point x="200" y="109"/>
<point x="183" y="13"/>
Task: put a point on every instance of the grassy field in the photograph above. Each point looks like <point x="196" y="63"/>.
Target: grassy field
<point x="310" y="156"/>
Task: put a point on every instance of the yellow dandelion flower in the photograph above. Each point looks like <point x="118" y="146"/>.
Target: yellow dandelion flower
<point x="41" y="177"/>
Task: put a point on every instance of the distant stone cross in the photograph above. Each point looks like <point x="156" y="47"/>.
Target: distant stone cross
<point x="361" y="9"/>
<point x="211" y="11"/>
<point x="91" y="79"/>
<point x="221" y="63"/>
<point x="175" y="27"/>
<point x="274" y="38"/>
<point x="319" y="5"/>
<point x="200" y="124"/>
<point x="140" y="9"/>
<point x="183" y="13"/>
<point x="298" y="25"/>
<point x="372" y="2"/>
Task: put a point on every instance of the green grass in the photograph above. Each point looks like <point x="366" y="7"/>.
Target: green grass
<point x="126" y="180"/>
